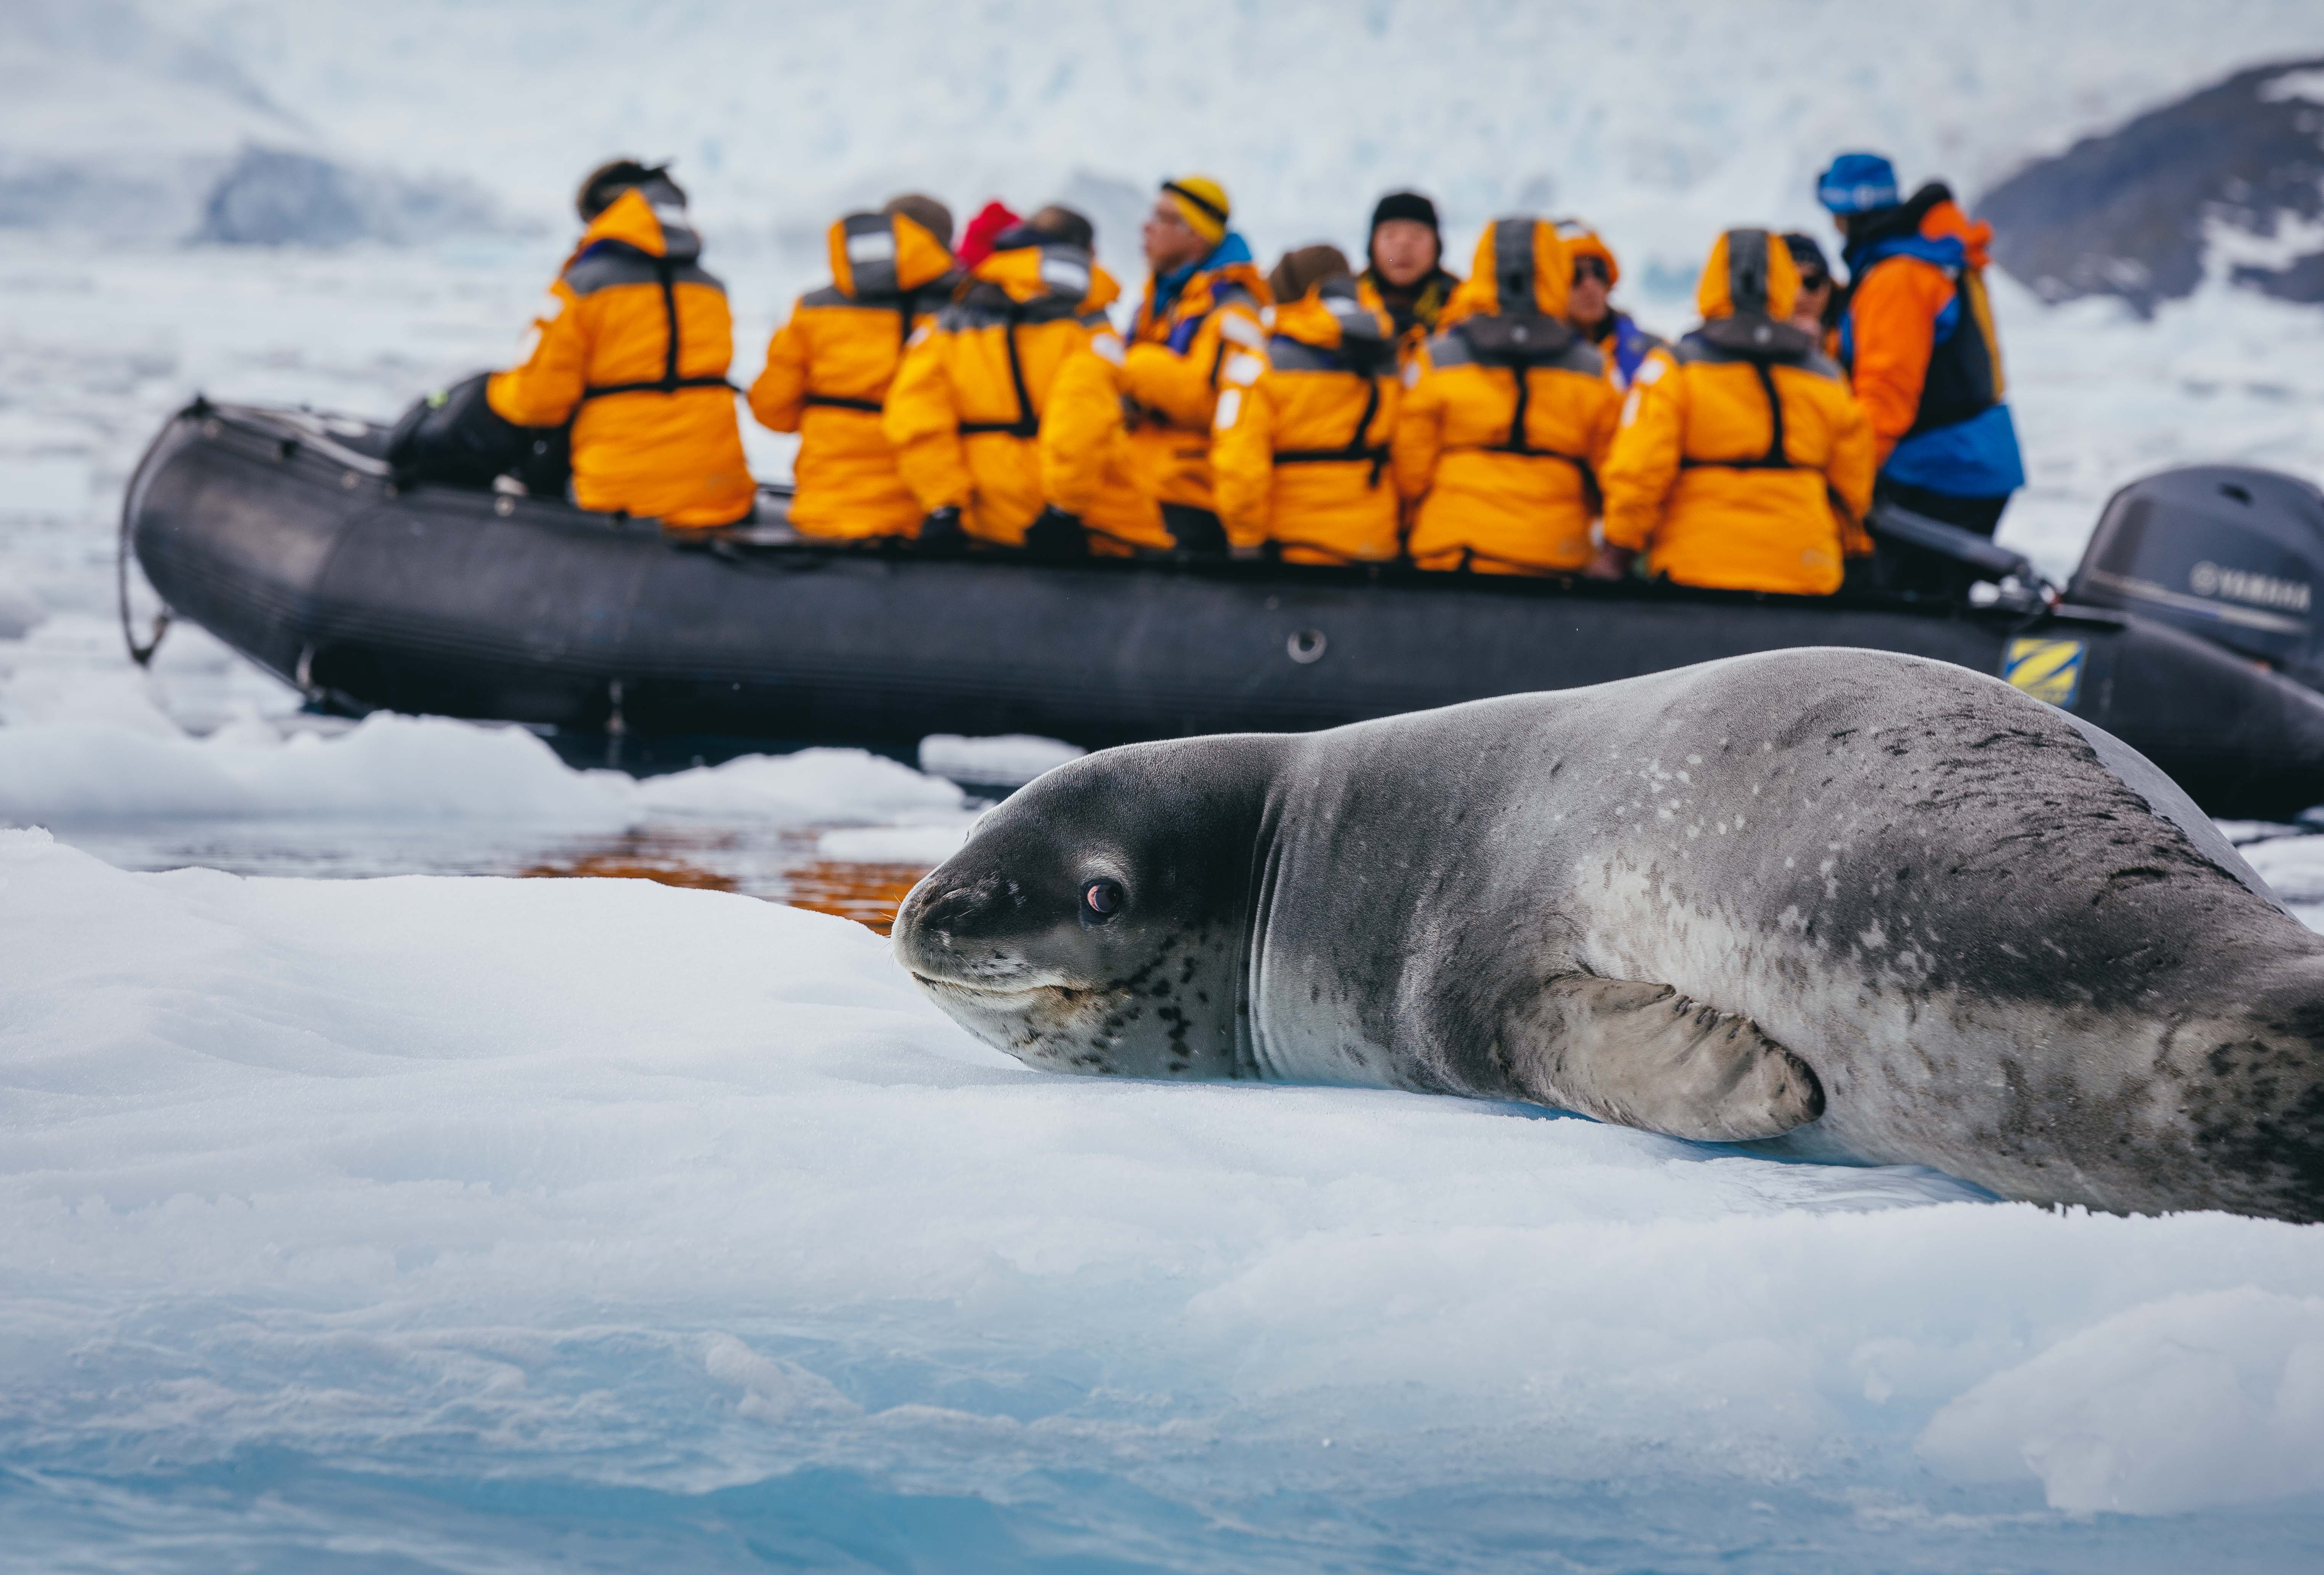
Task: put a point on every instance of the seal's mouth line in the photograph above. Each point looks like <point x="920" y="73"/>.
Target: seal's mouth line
<point x="988" y="991"/>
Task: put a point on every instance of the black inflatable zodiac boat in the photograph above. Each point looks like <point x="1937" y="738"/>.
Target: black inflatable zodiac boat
<point x="284" y="534"/>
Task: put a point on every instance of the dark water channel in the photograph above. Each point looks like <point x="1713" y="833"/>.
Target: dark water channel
<point x="775" y="864"/>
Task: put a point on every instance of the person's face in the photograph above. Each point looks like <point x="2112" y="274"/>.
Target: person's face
<point x="1585" y="307"/>
<point x="1404" y="250"/>
<point x="1170" y="241"/>
<point x="1807" y="310"/>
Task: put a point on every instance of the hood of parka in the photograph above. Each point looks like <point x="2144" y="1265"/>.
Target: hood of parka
<point x="884" y="254"/>
<point x="1749" y="272"/>
<point x="1930" y="226"/>
<point x="651" y="218"/>
<point x="1516" y="259"/>
<point x="1330" y="316"/>
<point x="1582" y="241"/>
<point x="1053" y="271"/>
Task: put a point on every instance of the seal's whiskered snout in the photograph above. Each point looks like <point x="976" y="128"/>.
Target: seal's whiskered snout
<point x="954" y="905"/>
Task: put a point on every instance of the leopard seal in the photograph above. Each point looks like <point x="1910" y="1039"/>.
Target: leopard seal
<point x="1842" y="905"/>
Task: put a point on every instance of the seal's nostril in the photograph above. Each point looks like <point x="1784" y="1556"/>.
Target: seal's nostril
<point x="952" y="906"/>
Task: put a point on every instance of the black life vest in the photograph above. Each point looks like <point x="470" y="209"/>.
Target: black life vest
<point x="1963" y="378"/>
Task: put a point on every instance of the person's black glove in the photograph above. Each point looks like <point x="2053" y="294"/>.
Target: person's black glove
<point x="1057" y="534"/>
<point x="942" y="527"/>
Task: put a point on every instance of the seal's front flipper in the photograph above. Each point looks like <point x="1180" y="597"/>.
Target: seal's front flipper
<point x="1643" y="1056"/>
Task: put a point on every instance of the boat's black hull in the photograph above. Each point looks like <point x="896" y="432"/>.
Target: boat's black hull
<point x="299" y="554"/>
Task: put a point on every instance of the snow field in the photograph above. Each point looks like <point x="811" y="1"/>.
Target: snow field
<point x="597" y="1183"/>
<point x="490" y="1225"/>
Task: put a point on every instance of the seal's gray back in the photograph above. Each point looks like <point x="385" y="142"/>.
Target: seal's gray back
<point x="1966" y="912"/>
<point x="2167" y="799"/>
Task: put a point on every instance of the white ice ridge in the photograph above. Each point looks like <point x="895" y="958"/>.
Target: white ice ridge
<point x="601" y="1182"/>
<point x="390" y="769"/>
<point x="1009" y="760"/>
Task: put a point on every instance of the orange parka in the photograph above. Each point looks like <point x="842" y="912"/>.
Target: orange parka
<point x="1745" y="467"/>
<point x="1301" y="450"/>
<point x="828" y="370"/>
<point x="1176" y="352"/>
<point x="1088" y="466"/>
<point x="632" y="349"/>
<point x="1506" y="418"/>
<point x="969" y="406"/>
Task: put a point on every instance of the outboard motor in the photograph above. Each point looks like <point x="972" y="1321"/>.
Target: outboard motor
<point x="2229" y="552"/>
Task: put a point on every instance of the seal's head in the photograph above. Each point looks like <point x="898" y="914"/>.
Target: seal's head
<point x="1096" y="921"/>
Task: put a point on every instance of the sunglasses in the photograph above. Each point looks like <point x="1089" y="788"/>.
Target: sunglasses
<point x="1809" y="279"/>
<point x="1590" y="267"/>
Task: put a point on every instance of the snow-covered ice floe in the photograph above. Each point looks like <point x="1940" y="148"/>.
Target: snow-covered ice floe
<point x="392" y="767"/>
<point x="1009" y="760"/>
<point x="475" y="1223"/>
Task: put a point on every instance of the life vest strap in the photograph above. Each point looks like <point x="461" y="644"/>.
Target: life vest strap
<point x="660" y="385"/>
<point x="1025" y="429"/>
<point x="838" y="403"/>
<point x="666" y="272"/>
<point x="1331" y="456"/>
<point x="1356" y="450"/>
<point x="1774" y="458"/>
<point x="1521" y="451"/>
<point x="1376" y="457"/>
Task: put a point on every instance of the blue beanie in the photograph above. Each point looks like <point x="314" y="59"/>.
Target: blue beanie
<point x="1858" y="183"/>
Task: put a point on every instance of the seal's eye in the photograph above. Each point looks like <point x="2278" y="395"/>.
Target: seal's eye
<point x="1101" y="900"/>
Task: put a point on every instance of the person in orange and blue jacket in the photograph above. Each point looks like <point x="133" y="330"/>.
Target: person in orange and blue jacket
<point x="1203" y="300"/>
<point x="1726" y="470"/>
<point x="1918" y="341"/>
<point x="633" y="350"/>
<point x="1623" y="348"/>
<point x="1301" y="454"/>
<point x="974" y="412"/>
<point x="1507" y="415"/>
<point x="829" y="366"/>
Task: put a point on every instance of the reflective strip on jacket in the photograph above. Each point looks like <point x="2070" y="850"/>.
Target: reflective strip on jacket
<point x="968" y="407"/>
<point x="1176" y="350"/>
<point x="828" y="369"/>
<point x="654" y="431"/>
<point x="1500" y="435"/>
<point x="1726" y="468"/>
<point x="1301" y="452"/>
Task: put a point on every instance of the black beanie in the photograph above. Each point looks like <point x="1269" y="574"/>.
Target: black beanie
<point x="1805" y="252"/>
<point x="1406" y="205"/>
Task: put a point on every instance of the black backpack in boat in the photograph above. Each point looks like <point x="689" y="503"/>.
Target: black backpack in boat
<point x="455" y="438"/>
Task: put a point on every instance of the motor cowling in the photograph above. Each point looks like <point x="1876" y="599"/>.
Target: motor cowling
<point x="2232" y="553"/>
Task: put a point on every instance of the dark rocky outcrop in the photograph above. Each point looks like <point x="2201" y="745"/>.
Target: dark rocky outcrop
<point x="2128" y="214"/>
<point x="273" y="197"/>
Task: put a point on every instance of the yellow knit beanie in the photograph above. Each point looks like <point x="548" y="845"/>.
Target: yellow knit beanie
<point x="1202" y="203"/>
